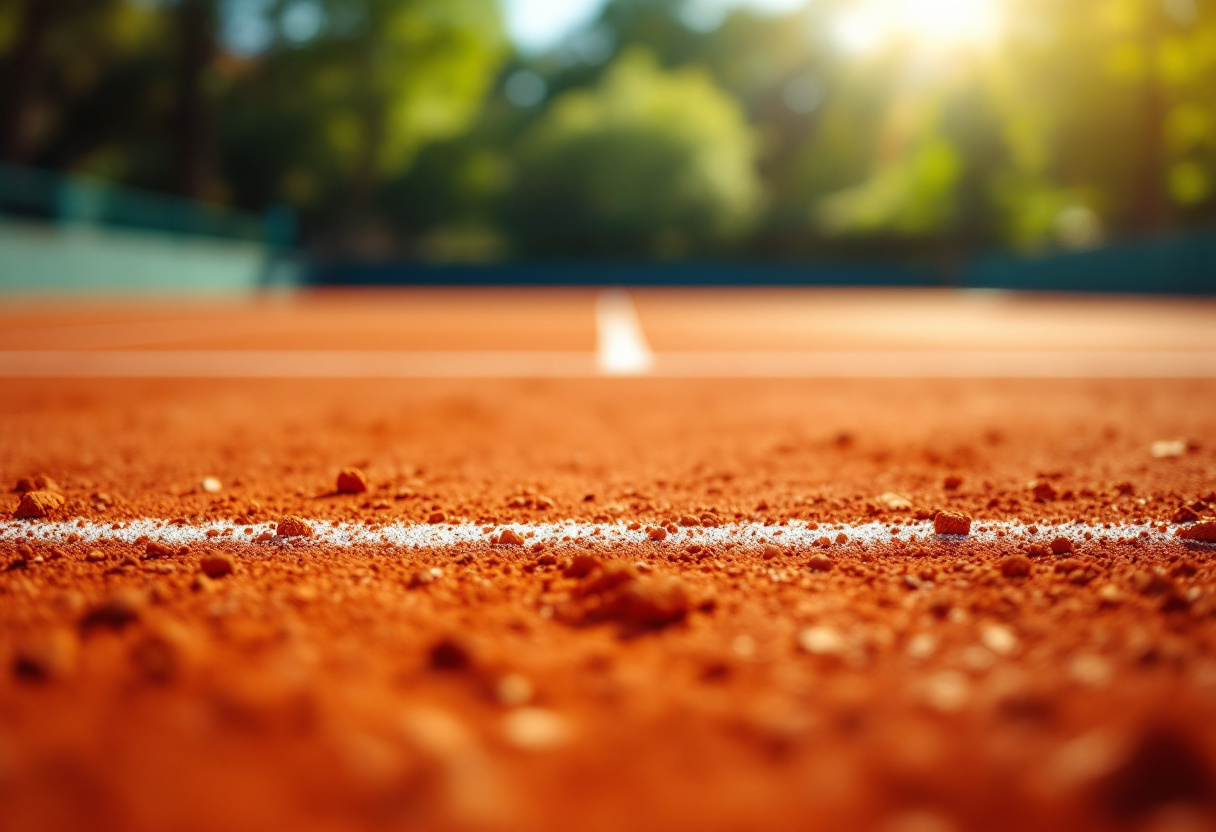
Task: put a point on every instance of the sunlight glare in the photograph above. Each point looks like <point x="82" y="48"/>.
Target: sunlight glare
<point x="932" y="23"/>
<point x="950" y="21"/>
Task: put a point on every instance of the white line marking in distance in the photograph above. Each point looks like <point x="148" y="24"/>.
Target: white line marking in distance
<point x="939" y="364"/>
<point x="622" y="348"/>
<point x="628" y="357"/>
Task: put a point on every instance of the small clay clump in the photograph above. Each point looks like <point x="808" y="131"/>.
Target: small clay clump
<point x="48" y="657"/>
<point x="1062" y="546"/>
<point x="649" y="603"/>
<point x="293" y="527"/>
<point x="1015" y="566"/>
<point x="949" y="522"/>
<point x="510" y="537"/>
<point x="1044" y="492"/>
<point x="38" y="504"/>
<point x="581" y="566"/>
<point x="351" y="481"/>
<point x="156" y="549"/>
<point x="217" y="564"/>
<point x="1204" y="532"/>
<point x="115" y="612"/>
<point x="819" y="563"/>
<point x="449" y="653"/>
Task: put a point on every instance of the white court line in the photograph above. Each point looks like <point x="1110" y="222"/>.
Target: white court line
<point x="621" y="355"/>
<point x="621" y="345"/>
<point x="796" y="534"/>
<point x="939" y="364"/>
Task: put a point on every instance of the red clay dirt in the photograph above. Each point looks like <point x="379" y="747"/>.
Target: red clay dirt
<point x="954" y="682"/>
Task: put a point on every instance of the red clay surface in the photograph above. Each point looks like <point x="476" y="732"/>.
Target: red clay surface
<point x="673" y="320"/>
<point x="946" y="684"/>
<point x="372" y="320"/>
<point x="841" y="320"/>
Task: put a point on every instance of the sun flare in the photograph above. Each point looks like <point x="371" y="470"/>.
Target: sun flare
<point x="948" y="20"/>
<point x="931" y="23"/>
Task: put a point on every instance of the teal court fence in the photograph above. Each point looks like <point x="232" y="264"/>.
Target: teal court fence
<point x="73" y="234"/>
<point x="65" y="234"/>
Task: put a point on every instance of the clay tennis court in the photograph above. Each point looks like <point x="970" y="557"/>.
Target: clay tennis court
<point x="570" y="559"/>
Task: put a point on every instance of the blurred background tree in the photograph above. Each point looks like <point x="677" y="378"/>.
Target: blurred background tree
<point x="914" y="129"/>
<point x="346" y="97"/>
<point x="245" y="102"/>
<point x="647" y="163"/>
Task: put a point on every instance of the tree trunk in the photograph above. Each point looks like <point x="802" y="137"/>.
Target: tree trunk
<point x="18" y="131"/>
<point x="1151" y="211"/>
<point x="196" y="39"/>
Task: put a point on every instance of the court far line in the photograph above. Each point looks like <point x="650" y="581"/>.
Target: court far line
<point x="623" y="360"/>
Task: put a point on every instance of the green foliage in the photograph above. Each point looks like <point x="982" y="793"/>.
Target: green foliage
<point x="911" y="197"/>
<point x="322" y="124"/>
<point x="1104" y="124"/>
<point x="649" y="162"/>
<point x="1084" y="120"/>
<point x="319" y="122"/>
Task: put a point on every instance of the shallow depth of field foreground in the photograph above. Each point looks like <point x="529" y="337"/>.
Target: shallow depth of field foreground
<point x="560" y="560"/>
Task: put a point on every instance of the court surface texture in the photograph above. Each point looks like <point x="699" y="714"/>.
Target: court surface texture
<point x="574" y="559"/>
